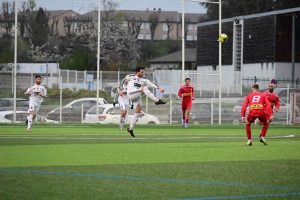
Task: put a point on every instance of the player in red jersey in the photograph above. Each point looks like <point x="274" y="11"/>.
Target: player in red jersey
<point x="186" y="92"/>
<point x="272" y="97"/>
<point x="260" y="108"/>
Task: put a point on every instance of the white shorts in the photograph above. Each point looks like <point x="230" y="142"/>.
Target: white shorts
<point x="34" y="106"/>
<point x="135" y="97"/>
<point x="135" y="103"/>
<point x="123" y="103"/>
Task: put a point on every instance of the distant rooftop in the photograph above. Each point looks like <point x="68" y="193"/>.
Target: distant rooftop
<point x="190" y="56"/>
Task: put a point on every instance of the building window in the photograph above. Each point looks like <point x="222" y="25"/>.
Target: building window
<point x="147" y="26"/>
<point x="165" y="27"/>
<point x="141" y="36"/>
<point x="267" y="66"/>
<point x="165" y="36"/>
<point x="148" y="37"/>
<point x="262" y="66"/>
<point x="189" y="37"/>
<point x="142" y="26"/>
<point x="190" y="27"/>
<point x="214" y="68"/>
<point x="272" y="66"/>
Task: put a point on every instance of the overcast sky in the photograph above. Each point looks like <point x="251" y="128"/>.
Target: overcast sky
<point x="83" y="6"/>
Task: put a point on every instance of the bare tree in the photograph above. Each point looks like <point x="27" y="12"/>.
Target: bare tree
<point x="153" y="20"/>
<point x="134" y="26"/>
<point x="170" y="26"/>
<point x="74" y="24"/>
<point x="53" y="28"/>
<point x="7" y="16"/>
<point x="26" y="15"/>
<point x="22" y="19"/>
<point x="186" y="25"/>
<point x="117" y="44"/>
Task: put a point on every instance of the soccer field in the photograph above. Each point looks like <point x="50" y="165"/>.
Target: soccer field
<point x="162" y="162"/>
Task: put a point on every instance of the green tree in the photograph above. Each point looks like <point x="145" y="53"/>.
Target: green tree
<point x="7" y="52"/>
<point x="7" y="17"/>
<point x="151" y="50"/>
<point x="80" y="59"/>
<point x="40" y="29"/>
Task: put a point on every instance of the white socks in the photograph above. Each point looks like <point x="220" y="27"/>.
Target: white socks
<point x="134" y="120"/>
<point x="122" y="121"/>
<point x="29" y="118"/>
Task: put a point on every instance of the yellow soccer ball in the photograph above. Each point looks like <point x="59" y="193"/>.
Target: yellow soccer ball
<point x="223" y="38"/>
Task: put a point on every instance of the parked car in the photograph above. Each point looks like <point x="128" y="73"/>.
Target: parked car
<point x="8" y="104"/>
<point x="72" y="111"/>
<point x="21" y="116"/>
<point x="282" y="93"/>
<point x="280" y="116"/>
<point x="108" y="114"/>
<point x="201" y="114"/>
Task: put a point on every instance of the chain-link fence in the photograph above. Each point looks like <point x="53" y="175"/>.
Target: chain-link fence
<point x="72" y="93"/>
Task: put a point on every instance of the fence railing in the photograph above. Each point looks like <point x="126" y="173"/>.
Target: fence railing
<point x="75" y="85"/>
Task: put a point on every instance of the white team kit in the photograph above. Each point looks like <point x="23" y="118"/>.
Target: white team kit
<point x="123" y="100"/>
<point x="134" y="88"/>
<point x="35" y="99"/>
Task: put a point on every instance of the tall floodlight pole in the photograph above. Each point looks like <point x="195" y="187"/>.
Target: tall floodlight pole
<point x="98" y="56"/>
<point x="15" y="59"/>
<point x="220" y="61"/>
<point x="220" y="47"/>
<point x="183" y="40"/>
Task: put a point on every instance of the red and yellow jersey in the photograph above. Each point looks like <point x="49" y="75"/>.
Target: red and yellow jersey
<point x="273" y="99"/>
<point x="259" y="105"/>
<point x="186" y="93"/>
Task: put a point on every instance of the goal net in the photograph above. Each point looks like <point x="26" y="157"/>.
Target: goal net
<point x="295" y="108"/>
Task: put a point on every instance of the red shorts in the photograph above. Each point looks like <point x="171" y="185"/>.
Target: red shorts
<point x="186" y="105"/>
<point x="262" y="119"/>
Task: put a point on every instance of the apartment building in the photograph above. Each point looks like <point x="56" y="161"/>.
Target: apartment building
<point x="168" y="23"/>
<point x="58" y="23"/>
<point x="61" y="21"/>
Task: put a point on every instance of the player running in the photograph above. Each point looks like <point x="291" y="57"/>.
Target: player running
<point x="186" y="92"/>
<point x="37" y="92"/>
<point x="260" y="108"/>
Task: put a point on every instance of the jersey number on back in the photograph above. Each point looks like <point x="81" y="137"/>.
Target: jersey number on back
<point x="255" y="99"/>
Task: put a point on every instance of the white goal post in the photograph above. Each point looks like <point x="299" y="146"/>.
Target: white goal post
<point x="295" y="108"/>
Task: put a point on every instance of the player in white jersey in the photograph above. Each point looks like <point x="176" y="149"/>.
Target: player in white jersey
<point x="123" y="102"/>
<point x="137" y="85"/>
<point x="37" y="92"/>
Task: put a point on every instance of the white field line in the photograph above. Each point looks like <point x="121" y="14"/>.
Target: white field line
<point x="123" y="138"/>
<point x="63" y="126"/>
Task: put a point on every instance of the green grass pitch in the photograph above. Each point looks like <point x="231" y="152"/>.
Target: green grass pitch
<point x="82" y="161"/>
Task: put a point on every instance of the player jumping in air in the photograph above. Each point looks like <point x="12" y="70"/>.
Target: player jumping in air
<point x="137" y="85"/>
